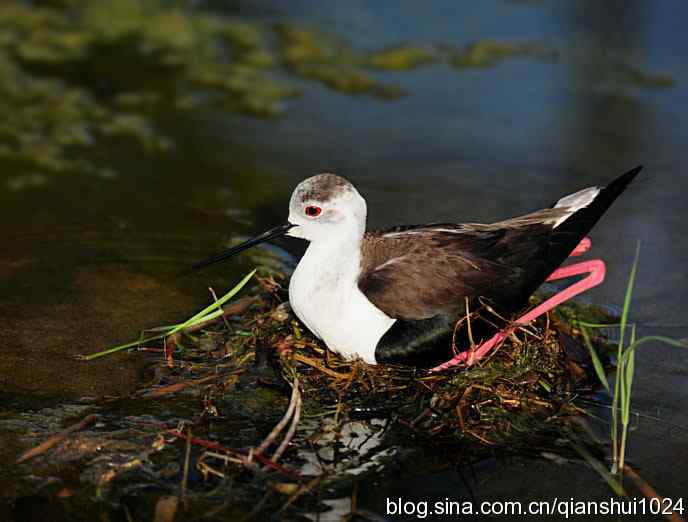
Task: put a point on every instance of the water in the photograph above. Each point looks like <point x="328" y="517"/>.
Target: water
<point x="89" y="259"/>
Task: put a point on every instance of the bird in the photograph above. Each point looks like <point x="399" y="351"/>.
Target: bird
<point x="395" y="295"/>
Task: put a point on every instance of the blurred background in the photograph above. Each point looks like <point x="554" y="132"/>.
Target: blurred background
<point x="137" y="136"/>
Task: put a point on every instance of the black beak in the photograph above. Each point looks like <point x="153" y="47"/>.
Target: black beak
<point x="278" y="231"/>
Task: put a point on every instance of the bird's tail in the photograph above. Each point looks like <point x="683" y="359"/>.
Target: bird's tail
<point x="587" y="207"/>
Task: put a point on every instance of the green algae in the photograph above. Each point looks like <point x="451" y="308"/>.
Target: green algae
<point x="305" y="46"/>
<point x="488" y="53"/>
<point x="638" y="77"/>
<point x="619" y="73"/>
<point x="244" y="35"/>
<point x="402" y="58"/>
<point x="40" y="119"/>
<point x="76" y="75"/>
<point x="317" y="56"/>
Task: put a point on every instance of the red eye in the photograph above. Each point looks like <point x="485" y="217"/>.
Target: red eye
<point x="313" y="211"/>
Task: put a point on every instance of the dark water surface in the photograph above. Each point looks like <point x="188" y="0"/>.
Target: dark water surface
<point x="88" y="260"/>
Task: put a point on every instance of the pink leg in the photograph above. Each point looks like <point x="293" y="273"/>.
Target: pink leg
<point x="582" y="247"/>
<point x="595" y="270"/>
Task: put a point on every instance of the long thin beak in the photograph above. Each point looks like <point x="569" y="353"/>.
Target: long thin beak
<point x="278" y="231"/>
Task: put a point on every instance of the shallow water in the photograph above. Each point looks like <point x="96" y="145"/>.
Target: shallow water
<point x="89" y="259"/>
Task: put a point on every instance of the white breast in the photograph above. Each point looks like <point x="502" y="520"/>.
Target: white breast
<point x="324" y="294"/>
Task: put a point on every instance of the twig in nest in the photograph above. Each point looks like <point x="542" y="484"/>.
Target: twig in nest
<point x="292" y="429"/>
<point x="459" y="414"/>
<point x="301" y="490"/>
<point x="224" y="317"/>
<point x="494" y="312"/>
<point x="178" y="386"/>
<point x="293" y="414"/>
<point x="168" y="352"/>
<point x="480" y="438"/>
<point x="283" y="421"/>
<point x="268" y="283"/>
<point x="458" y="324"/>
<point x="462" y="404"/>
<point x="56" y="439"/>
<point x="185" y="476"/>
<point x="468" y="323"/>
<point x="315" y="364"/>
<point x="241" y="456"/>
<point x="113" y="472"/>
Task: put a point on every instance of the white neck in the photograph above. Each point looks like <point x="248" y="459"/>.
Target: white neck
<point x="324" y="294"/>
<point x="327" y="273"/>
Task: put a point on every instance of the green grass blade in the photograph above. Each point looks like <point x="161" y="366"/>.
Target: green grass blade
<point x="652" y="338"/>
<point x="212" y="315"/>
<point x="121" y="347"/>
<point x="201" y="315"/>
<point x="187" y="324"/>
<point x="596" y="362"/>
<point x="625" y="371"/>
<point x="598" y="325"/>
<point x="209" y="312"/>
<point x="628" y="296"/>
<point x="628" y="383"/>
<point x="619" y="395"/>
<point x="162" y="328"/>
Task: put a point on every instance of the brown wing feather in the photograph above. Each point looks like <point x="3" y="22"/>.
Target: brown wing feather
<point x="418" y="272"/>
<point x="422" y="274"/>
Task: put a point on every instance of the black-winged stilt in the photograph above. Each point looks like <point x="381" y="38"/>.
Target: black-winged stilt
<point x="395" y="295"/>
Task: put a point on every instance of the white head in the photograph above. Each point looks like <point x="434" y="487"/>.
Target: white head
<point x="326" y="206"/>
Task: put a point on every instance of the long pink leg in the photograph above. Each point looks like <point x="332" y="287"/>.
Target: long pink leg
<point x="594" y="268"/>
<point x="582" y="247"/>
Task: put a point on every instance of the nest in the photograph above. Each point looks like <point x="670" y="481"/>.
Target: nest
<point x="518" y="399"/>
<point x="535" y="373"/>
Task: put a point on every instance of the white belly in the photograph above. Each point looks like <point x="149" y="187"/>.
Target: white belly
<point x="324" y="294"/>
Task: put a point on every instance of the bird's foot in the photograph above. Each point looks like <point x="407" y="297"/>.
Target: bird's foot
<point x="594" y="268"/>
